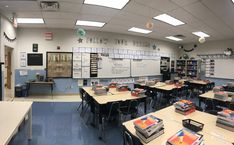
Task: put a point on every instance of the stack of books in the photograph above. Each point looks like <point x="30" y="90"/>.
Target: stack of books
<point x="138" y="92"/>
<point x="148" y="128"/>
<point x="140" y="81"/>
<point x="150" y="83"/>
<point x="226" y="120"/>
<point x="218" y="89"/>
<point x="184" y="107"/>
<point x="221" y="95"/>
<point x="185" y="137"/>
<point x="113" y="85"/>
<point x="94" y="86"/>
<point x="100" y="91"/>
<point x="121" y="88"/>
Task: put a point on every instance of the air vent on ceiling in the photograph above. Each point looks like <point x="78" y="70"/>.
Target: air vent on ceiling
<point x="179" y="36"/>
<point x="49" y="5"/>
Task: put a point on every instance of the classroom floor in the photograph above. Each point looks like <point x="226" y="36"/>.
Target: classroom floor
<point x="49" y="98"/>
<point x="57" y="123"/>
<point x="61" y="124"/>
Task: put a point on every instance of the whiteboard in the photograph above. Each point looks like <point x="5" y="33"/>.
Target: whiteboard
<point x="145" y="68"/>
<point x="112" y="68"/>
<point x="224" y="68"/>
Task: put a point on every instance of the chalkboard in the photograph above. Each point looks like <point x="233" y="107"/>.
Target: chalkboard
<point x="145" y="68"/>
<point x="112" y="68"/>
<point x="35" y="59"/>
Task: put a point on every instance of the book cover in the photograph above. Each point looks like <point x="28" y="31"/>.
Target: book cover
<point x="147" y="122"/>
<point x="227" y="113"/>
<point x="152" y="137"/>
<point x="185" y="137"/>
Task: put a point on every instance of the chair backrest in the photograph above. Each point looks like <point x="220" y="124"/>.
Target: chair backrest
<point x="114" y="106"/>
<point x="133" y="104"/>
<point x="128" y="138"/>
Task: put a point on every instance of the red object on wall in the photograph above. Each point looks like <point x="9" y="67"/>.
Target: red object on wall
<point x="48" y="35"/>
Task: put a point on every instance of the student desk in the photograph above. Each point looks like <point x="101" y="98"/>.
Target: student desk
<point x="43" y="83"/>
<point x="112" y="96"/>
<point x="199" y="84"/>
<point x="210" y="95"/>
<point x="12" y="115"/>
<point x="212" y="134"/>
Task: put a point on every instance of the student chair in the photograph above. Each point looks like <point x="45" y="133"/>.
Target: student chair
<point x="128" y="108"/>
<point x="109" y="113"/>
<point x="82" y="95"/>
<point x="130" y="139"/>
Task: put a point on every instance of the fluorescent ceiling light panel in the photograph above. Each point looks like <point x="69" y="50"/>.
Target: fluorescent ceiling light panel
<point x="174" y="38"/>
<point x="116" y="4"/>
<point x="90" y="23"/>
<point x="201" y="34"/>
<point x="169" y="19"/>
<point x="139" y="30"/>
<point x="30" y="20"/>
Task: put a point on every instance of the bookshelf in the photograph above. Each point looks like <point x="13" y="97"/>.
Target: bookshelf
<point x="188" y="68"/>
<point x="181" y="68"/>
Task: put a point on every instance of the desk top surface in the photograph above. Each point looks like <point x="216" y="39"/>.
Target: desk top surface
<point x="199" y="82"/>
<point x="12" y="114"/>
<point x="210" y="95"/>
<point x="213" y="135"/>
<point x="111" y="96"/>
<point x="166" y="87"/>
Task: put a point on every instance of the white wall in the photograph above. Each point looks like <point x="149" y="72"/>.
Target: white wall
<point x="8" y="28"/>
<point x="66" y="39"/>
<point x="213" y="47"/>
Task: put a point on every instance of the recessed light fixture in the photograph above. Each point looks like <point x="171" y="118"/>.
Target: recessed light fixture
<point x="6" y="6"/>
<point x="201" y="34"/>
<point x="174" y="38"/>
<point x="116" y="4"/>
<point x="169" y="19"/>
<point x="30" y="20"/>
<point x="139" y="30"/>
<point x="233" y="1"/>
<point x="90" y="23"/>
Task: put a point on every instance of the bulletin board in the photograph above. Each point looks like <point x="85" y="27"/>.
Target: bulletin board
<point x="59" y="64"/>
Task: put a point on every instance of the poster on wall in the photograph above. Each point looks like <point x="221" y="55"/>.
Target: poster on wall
<point x="22" y="59"/>
<point x="59" y="64"/>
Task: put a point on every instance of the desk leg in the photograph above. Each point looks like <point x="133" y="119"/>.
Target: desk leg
<point x="52" y="88"/>
<point x="145" y="106"/>
<point x="30" y="124"/>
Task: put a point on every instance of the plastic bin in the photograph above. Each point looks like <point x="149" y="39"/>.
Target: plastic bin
<point x="21" y="91"/>
<point x="18" y="91"/>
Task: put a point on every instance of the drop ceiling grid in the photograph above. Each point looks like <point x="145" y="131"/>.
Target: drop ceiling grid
<point x="197" y="14"/>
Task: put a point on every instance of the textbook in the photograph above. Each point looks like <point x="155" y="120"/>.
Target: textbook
<point x="225" y="119"/>
<point x="148" y="125"/>
<point x="147" y="139"/>
<point x="138" y="92"/>
<point x="185" y="137"/>
<point x="184" y="106"/>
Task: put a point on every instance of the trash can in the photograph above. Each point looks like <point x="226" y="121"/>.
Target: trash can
<point x="24" y="91"/>
<point x="18" y="90"/>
